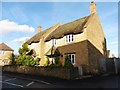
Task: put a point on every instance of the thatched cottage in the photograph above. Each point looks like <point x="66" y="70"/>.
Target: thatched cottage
<point x="83" y="40"/>
<point x="6" y="54"/>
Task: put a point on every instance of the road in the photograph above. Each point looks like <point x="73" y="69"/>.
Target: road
<point x="14" y="80"/>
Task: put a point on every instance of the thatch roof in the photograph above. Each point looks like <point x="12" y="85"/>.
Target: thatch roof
<point x="74" y="27"/>
<point x="36" y="38"/>
<point x="4" y="47"/>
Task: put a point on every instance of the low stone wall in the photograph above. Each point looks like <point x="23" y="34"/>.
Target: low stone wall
<point x="58" y="72"/>
<point x="90" y="70"/>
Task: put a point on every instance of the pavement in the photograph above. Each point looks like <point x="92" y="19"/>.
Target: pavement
<point x="14" y="80"/>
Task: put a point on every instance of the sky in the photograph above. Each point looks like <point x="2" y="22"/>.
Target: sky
<point x="20" y="20"/>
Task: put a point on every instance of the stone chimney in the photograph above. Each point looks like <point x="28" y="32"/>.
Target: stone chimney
<point x="39" y="28"/>
<point x="93" y="7"/>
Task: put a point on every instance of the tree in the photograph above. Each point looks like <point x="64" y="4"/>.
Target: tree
<point x="24" y="50"/>
<point x="24" y="59"/>
<point x="67" y="62"/>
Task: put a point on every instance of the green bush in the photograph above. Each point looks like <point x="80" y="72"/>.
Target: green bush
<point x="67" y="62"/>
<point x="24" y="59"/>
<point x="57" y="62"/>
<point x="47" y="63"/>
<point x="32" y="62"/>
<point x="24" y="50"/>
<point x="52" y="65"/>
<point x="37" y="60"/>
<point x="27" y="61"/>
<point x="19" y="60"/>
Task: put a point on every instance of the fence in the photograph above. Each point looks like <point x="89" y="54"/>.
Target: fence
<point x="113" y="65"/>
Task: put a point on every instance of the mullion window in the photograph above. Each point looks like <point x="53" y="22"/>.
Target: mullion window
<point x="72" y="58"/>
<point x="69" y="38"/>
<point x="72" y="37"/>
<point x="54" y="42"/>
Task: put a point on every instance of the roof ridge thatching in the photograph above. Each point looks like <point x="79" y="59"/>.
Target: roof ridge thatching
<point x="36" y="37"/>
<point x="73" y="27"/>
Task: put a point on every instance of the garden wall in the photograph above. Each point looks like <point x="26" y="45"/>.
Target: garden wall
<point x="58" y="72"/>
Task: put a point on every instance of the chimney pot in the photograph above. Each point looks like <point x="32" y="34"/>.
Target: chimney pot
<point x="39" y="28"/>
<point x="93" y="7"/>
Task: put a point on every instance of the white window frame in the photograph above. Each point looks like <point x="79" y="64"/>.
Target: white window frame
<point x="69" y="38"/>
<point x="2" y="52"/>
<point x="53" y="41"/>
<point x="52" y="59"/>
<point x="72" y="60"/>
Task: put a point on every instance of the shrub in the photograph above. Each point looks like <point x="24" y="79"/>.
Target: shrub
<point x="12" y="61"/>
<point x="32" y="62"/>
<point x="27" y="61"/>
<point x="53" y="64"/>
<point x="24" y="50"/>
<point x="47" y="63"/>
<point x="19" y="60"/>
<point x="37" y="60"/>
<point x="57" y="62"/>
<point x="67" y="62"/>
<point x="24" y="59"/>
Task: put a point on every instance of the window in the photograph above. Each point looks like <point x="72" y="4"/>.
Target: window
<point x="53" y="41"/>
<point x="6" y="61"/>
<point x="72" y="58"/>
<point x="1" y="52"/>
<point x="69" y="38"/>
<point x="52" y="60"/>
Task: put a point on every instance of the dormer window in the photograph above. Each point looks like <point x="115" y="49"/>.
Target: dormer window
<point x="53" y="41"/>
<point x="69" y="38"/>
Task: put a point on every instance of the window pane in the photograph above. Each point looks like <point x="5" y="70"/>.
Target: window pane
<point x="54" y="42"/>
<point x="53" y="60"/>
<point x="67" y="38"/>
<point x="72" y="37"/>
<point x="1" y="52"/>
<point x="73" y="58"/>
<point x="69" y="57"/>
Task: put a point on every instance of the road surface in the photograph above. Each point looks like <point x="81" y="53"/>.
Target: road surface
<point x="14" y="80"/>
